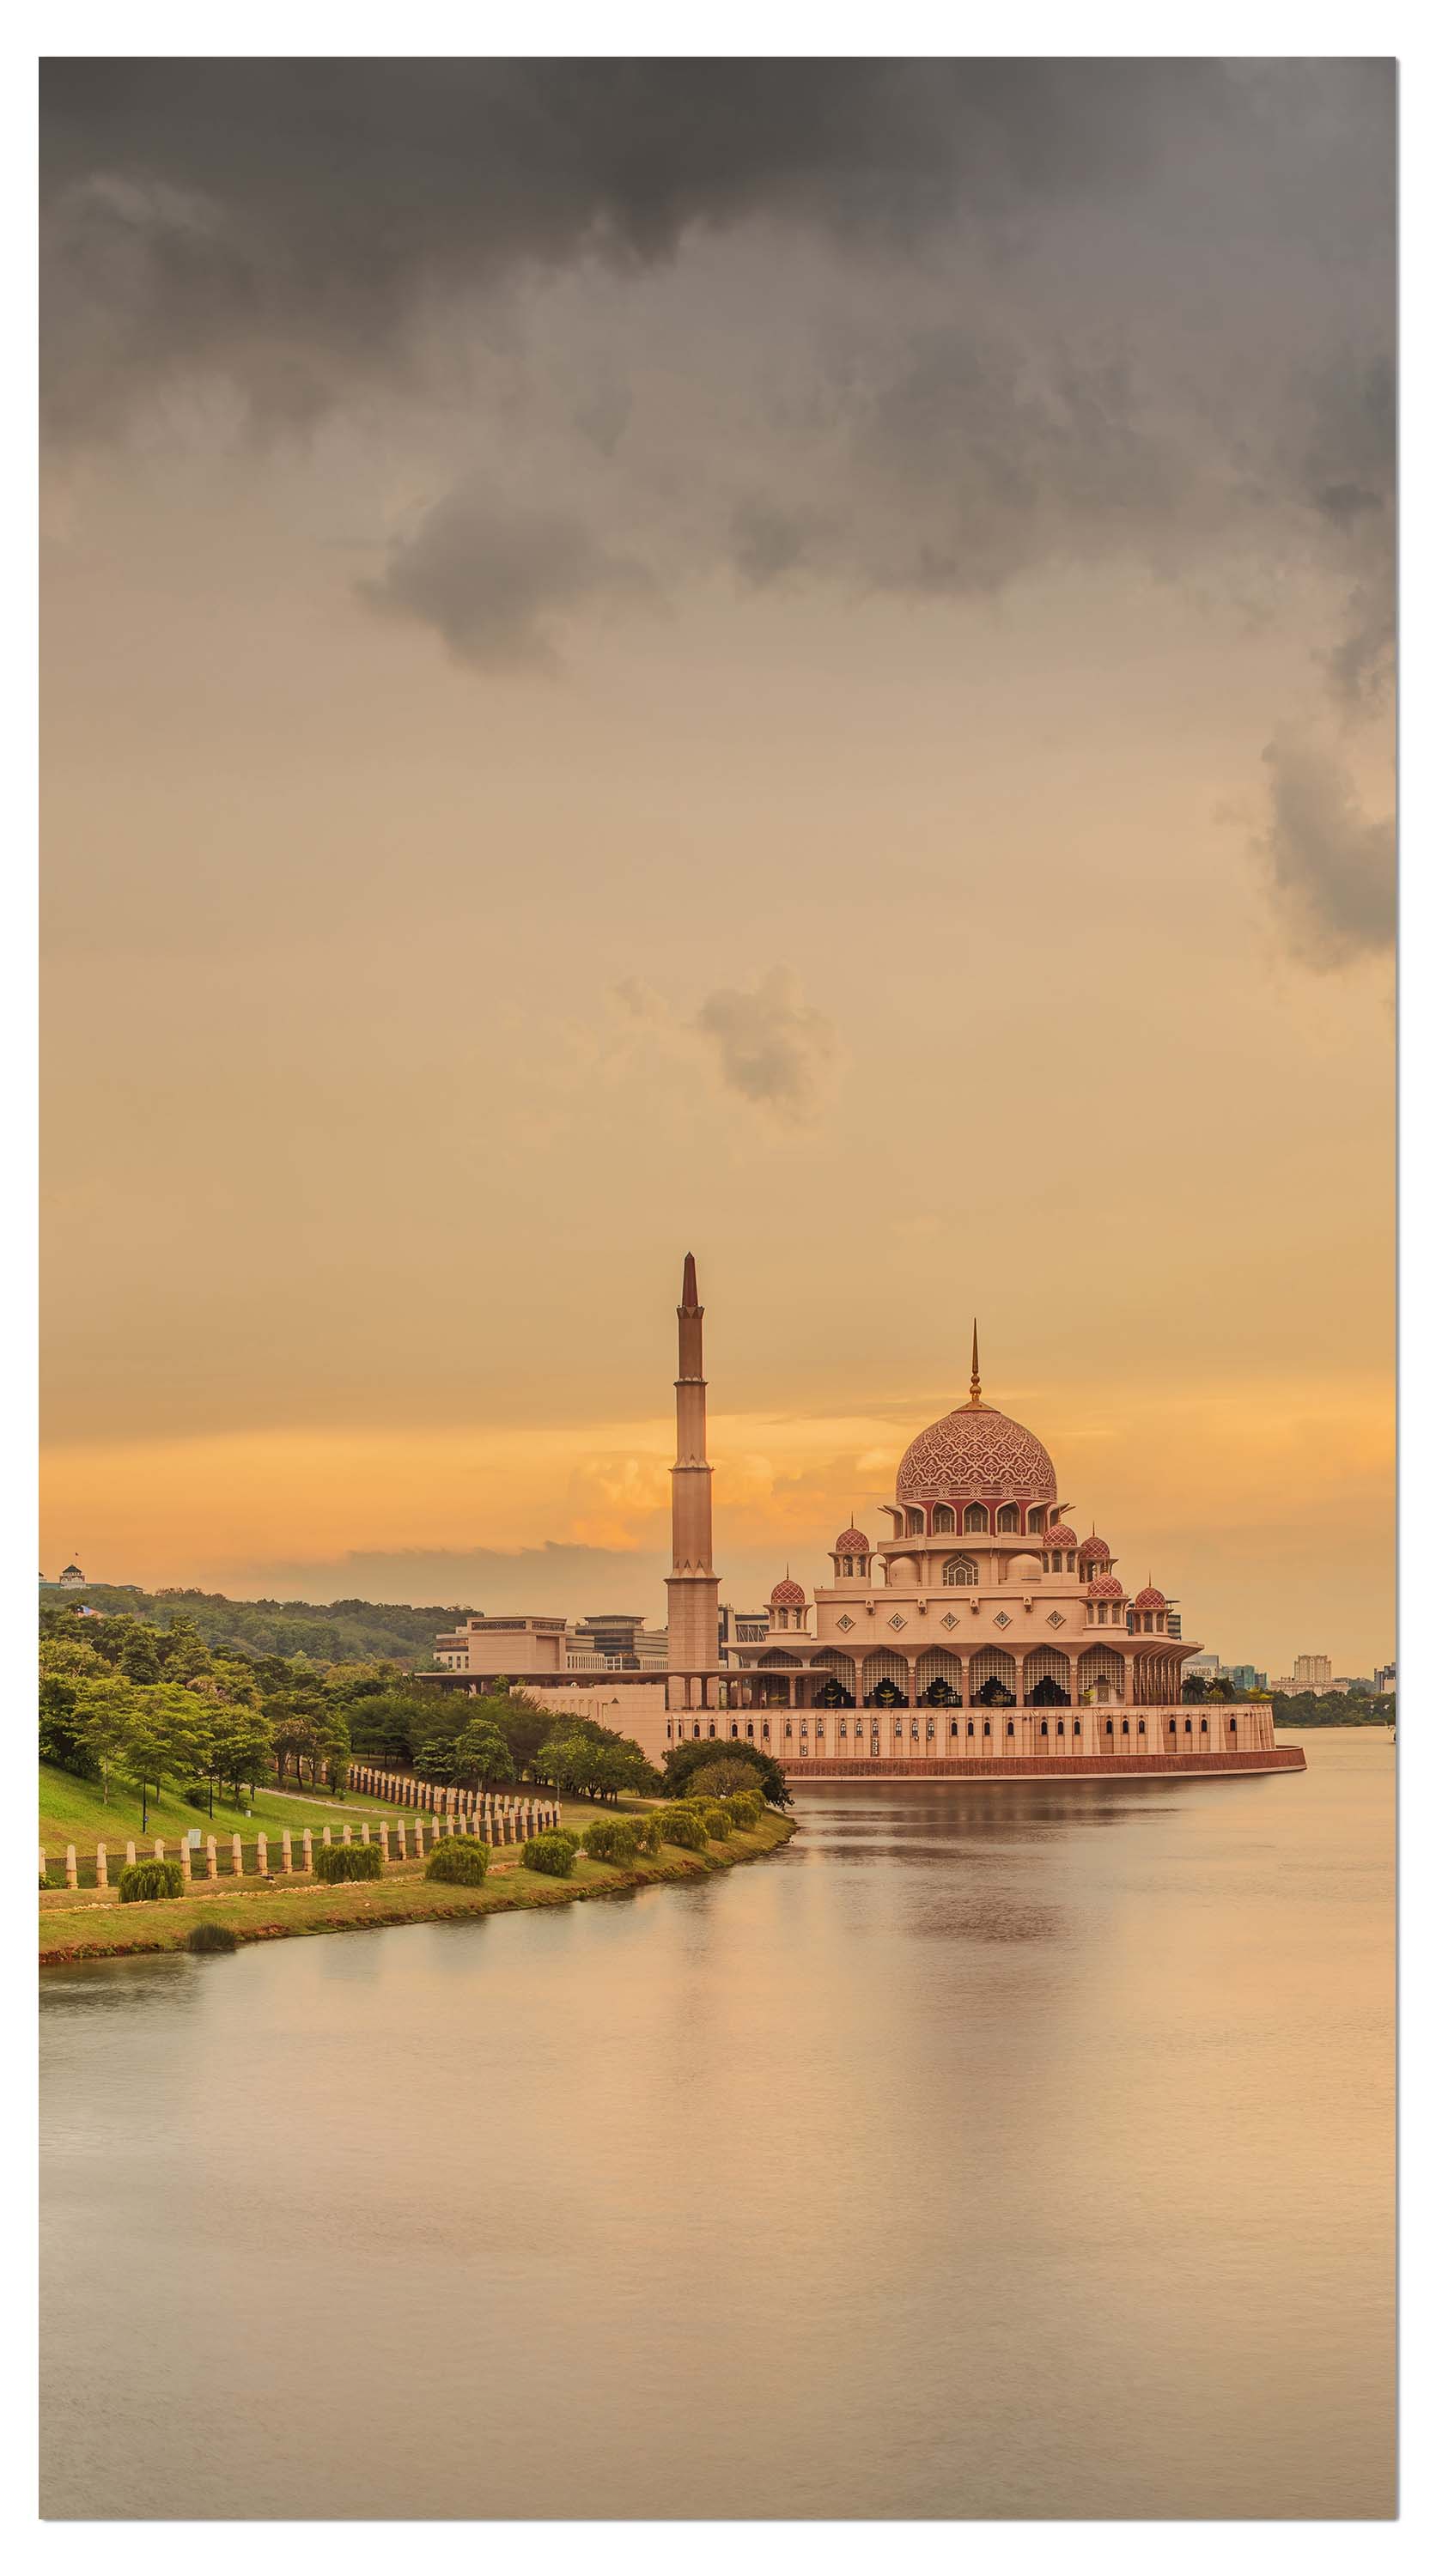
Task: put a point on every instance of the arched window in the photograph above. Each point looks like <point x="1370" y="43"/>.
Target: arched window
<point x="1011" y="1729"/>
<point x="987" y="1726"/>
<point x="1009" y="1518"/>
<point x="970" y="1727"/>
<point x="1126" y="1730"/>
<point x="916" y="1524"/>
<point x="944" y="1518"/>
<point x="1188" y="1724"/>
<point x="1231" y="1725"/>
<point x="975" y="1517"/>
<point x="1141" y="1726"/>
<point x="959" y="1569"/>
<point x="1204" y="1726"/>
<point x="1037" y="1517"/>
<point x="1044" y="1726"/>
<point x="1109" y="1726"/>
<point x="1172" y="1726"/>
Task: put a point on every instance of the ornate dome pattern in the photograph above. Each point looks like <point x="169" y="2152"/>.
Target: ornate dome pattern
<point x="1059" y="1535"/>
<point x="1105" y="1587"/>
<point x="1094" y="1546"/>
<point x="787" y="1595"/>
<point x="1149" y="1598"/>
<point x="852" y="1543"/>
<point x="976" y="1452"/>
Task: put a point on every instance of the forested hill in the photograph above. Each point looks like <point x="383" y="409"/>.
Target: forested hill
<point x="337" y="1632"/>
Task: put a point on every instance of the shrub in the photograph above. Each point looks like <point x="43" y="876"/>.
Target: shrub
<point x="746" y="1809"/>
<point x="650" y="1835"/>
<point x="460" y="1860"/>
<point x="553" y="1853"/>
<point x="614" y="1838"/>
<point x="718" y="1822"/>
<point x="145" y="1880"/>
<point x="207" y="1938"/>
<point x="198" y="1798"/>
<point x="334" y="1861"/>
<point x="683" y="1826"/>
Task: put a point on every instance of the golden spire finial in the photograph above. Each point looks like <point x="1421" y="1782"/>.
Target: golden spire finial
<point x="974" y="1392"/>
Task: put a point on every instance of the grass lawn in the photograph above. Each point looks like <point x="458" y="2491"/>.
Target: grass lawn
<point x="80" y="1925"/>
<point x="74" y="1811"/>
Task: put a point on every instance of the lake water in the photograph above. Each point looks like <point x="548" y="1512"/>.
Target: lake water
<point x="994" y="2151"/>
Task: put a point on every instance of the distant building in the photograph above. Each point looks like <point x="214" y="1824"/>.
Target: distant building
<point x="1385" y="1677"/>
<point x="741" y="1627"/>
<point x="524" y="1647"/>
<point x="72" y="1580"/>
<point x="1312" y="1672"/>
<point x="1203" y="1668"/>
<point x="1243" y="1677"/>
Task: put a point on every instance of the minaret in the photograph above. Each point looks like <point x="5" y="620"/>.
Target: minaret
<point x="974" y="1392"/>
<point x="693" y="1585"/>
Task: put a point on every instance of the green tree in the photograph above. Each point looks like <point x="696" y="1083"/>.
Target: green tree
<point x="681" y="1761"/>
<point x="106" y="1713"/>
<point x="481" y="1756"/>
<point x="140" y="1654"/>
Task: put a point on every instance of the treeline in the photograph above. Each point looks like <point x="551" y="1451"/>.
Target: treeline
<point x="1333" y="1708"/>
<point x="328" y="1633"/>
<point x="153" y="1704"/>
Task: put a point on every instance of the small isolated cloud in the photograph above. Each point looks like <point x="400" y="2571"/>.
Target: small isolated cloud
<point x="496" y="582"/>
<point x="771" y="1046"/>
<point x="1333" y="871"/>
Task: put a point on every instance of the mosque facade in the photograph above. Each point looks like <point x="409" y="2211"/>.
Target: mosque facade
<point x="975" y="1633"/>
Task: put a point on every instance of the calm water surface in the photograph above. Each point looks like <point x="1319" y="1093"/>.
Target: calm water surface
<point x="1020" y="2151"/>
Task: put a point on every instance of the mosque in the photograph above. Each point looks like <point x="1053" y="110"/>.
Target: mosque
<point x="976" y="1634"/>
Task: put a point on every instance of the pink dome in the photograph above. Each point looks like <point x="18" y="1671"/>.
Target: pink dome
<point x="1105" y="1587"/>
<point x="1149" y="1598"/>
<point x="852" y="1543"/>
<point x="1059" y="1536"/>
<point x="1094" y="1546"/>
<point x="976" y="1453"/>
<point x="787" y="1595"/>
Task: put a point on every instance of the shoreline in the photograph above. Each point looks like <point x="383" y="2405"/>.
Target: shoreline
<point x="73" y="1934"/>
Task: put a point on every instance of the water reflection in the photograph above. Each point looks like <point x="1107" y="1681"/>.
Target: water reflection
<point x="1058" y="2124"/>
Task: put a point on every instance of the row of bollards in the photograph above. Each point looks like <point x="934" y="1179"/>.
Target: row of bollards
<point x="495" y="1821"/>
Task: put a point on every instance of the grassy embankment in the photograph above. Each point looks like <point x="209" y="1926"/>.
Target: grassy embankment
<point x="86" y="1924"/>
<point x="74" y="1811"/>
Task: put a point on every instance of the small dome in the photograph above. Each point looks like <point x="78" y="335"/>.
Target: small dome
<point x="1105" y="1587"/>
<point x="1149" y="1598"/>
<point x="1094" y="1546"/>
<point x="852" y="1543"/>
<point x="787" y="1595"/>
<point x="1059" y="1536"/>
<point x="1025" y="1569"/>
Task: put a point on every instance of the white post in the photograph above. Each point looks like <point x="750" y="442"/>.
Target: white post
<point x="237" y="1854"/>
<point x="72" y="1868"/>
<point x="184" y="1859"/>
<point x="211" y="1857"/>
<point x="102" y="1866"/>
<point x="328" y="1839"/>
<point x="403" y="1839"/>
<point x="263" y="1842"/>
<point x="286" y="1852"/>
<point x="348" y="1834"/>
<point x="384" y="1843"/>
<point x="308" y="1841"/>
<point x="129" y="1855"/>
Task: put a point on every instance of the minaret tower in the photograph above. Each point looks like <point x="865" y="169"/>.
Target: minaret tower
<point x="693" y="1585"/>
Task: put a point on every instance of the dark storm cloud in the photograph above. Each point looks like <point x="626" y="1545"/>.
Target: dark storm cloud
<point x="283" y="219"/>
<point x="1333" y="872"/>
<point x="494" y="583"/>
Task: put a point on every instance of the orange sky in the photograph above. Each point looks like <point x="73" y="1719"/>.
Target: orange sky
<point x="421" y="984"/>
